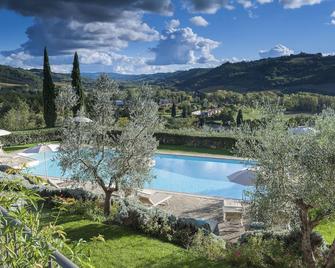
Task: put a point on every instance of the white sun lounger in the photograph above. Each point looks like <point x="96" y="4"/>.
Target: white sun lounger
<point x="153" y="198"/>
<point x="232" y="206"/>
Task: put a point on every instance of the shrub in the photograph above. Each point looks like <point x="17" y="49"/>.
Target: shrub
<point x="259" y="253"/>
<point x="78" y="194"/>
<point x="291" y="239"/>
<point x="209" y="245"/>
<point x="155" y="222"/>
<point x="90" y="210"/>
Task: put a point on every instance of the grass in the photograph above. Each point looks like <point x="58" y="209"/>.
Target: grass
<point x="188" y="149"/>
<point x="18" y="147"/>
<point x="14" y="148"/>
<point x="124" y="247"/>
<point x="327" y="230"/>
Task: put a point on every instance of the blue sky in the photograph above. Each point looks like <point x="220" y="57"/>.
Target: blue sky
<point x="146" y="36"/>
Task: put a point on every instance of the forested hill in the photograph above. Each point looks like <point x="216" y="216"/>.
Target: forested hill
<point x="302" y="72"/>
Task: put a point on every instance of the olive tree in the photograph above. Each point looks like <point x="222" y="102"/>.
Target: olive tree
<point x="66" y="99"/>
<point x="116" y="161"/>
<point x="295" y="182"/>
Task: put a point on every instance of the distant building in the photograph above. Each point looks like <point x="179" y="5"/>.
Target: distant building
<point x="207" y="113"/>
<point x="301" y="130"/>
<point x="164" y="102"/>
<point x="119" y="103"/>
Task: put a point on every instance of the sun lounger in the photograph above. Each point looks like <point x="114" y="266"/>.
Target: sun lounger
<point x="153" y="198"/>
<point x="233" y="207"/>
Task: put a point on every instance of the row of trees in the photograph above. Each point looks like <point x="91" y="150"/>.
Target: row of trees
<point x="49" y="92"/>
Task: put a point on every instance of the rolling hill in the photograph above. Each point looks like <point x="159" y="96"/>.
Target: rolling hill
<point x="302" y="72"/>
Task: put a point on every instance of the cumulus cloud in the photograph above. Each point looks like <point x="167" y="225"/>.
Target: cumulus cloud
<point x="207" y="6"/>
<point x="264" y="1"/>
<point x="183" y="46"/>
<point x="67" y="25"/>
<point x="278" y="51"/>
<point x="172" y="24"/>
<point x="332" y="16"/>
<point x="199" y="21"/>
<point x="213" y="6"/>
<point x="292" y="4"/>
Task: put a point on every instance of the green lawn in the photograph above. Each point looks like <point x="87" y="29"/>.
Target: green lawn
<point x="18" y="147"/>
<point x="327" y="230"/>
<point x="124" y="247"/>
<point x="189" y="149"/>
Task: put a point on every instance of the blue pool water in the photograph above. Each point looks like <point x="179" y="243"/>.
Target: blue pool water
<point x="194" y="175"/>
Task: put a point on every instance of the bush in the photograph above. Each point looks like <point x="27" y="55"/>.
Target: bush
<point x="259" y="253"/>
<point x="77" y="194"/>
<point x="210" y="246"/>
<point x="90" y="210"/>
<point x="291" y="239"/>
<point x="155" y="222"/>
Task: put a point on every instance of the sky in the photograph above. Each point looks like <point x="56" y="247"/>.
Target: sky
<point x="149" y="36"/>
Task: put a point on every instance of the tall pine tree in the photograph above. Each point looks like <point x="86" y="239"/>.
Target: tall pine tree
<point x="49" y="95"/>
<point x="76" y="84"/>
<point x="239" y="118"/>
<point x="173" y="110"/>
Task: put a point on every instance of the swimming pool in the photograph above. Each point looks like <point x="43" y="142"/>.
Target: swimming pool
<point x="188" y="174"/>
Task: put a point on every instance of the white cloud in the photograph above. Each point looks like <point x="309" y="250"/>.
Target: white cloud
<point x="183" y="46"/>
<point x="264" y="1"/>
<point x="245" y="3"/>
<point x="172" y="24"/>
<point x="291" y="4"/>
<point x="278" y="51"/>
<point x="199" y="21"/>
<point x="332" y="16"/>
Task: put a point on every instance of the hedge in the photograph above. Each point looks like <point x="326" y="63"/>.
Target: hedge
<point x="194" y="139"/>
<point x="31" y="136"/>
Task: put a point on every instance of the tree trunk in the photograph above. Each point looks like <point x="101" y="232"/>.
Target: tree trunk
<point x="107" y="204"/>
<point x="330" y="262"/>
<point x="306" y="245"/>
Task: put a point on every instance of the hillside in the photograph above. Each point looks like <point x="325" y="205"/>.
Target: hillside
<point x="307" y="72"/>
<point x="302" y="72"/>
<point x="11" y="77"/>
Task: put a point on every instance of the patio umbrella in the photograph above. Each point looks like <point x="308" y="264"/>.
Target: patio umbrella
<point x="244" y="177"/>
<point x="41" y="148"/>
<point x="4" y="132"/>
<point x="82" y="119"/>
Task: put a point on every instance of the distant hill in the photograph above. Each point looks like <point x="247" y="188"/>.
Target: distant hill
<point x="18" y="78"/>
<point x="302" y="72"/>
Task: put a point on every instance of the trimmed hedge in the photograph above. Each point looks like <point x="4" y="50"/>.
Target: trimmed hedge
<point x="31" y="136"/>
<point x="195" y="139"/>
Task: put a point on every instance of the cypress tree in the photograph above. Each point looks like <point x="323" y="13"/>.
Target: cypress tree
<point x="173" y="110"/>
<point x="49" y="95"/>
<point x="76" y="84"/>
<point x="184" y="112"/>
<point x="239" y="118"/>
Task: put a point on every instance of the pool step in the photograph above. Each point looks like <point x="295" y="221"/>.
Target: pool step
<point x="231" y="232"/>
